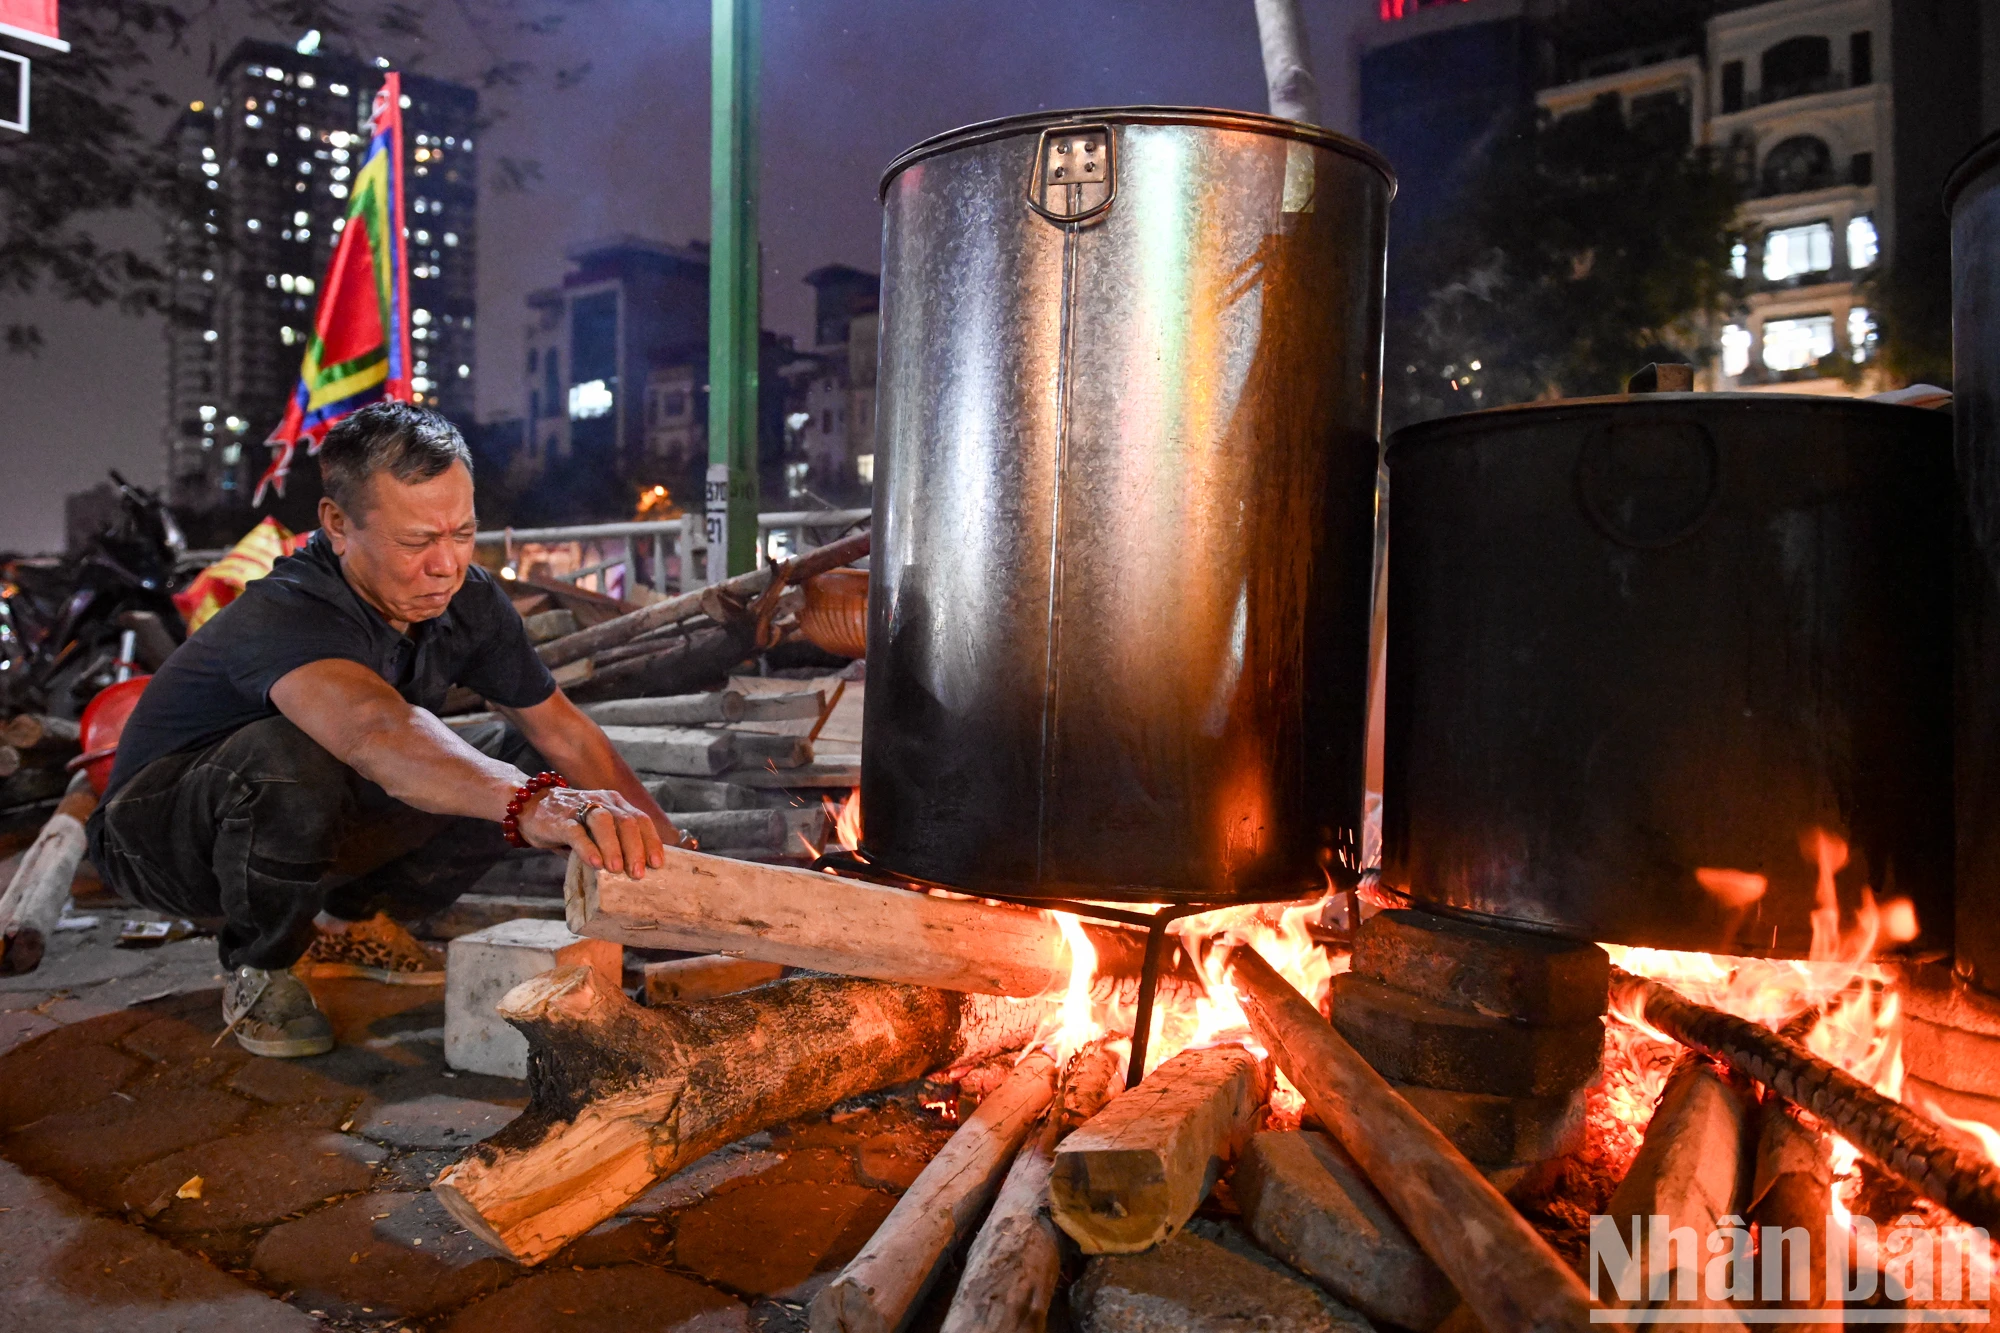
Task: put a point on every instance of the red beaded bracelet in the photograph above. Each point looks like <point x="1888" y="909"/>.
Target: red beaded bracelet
<point x="527" y="791"/>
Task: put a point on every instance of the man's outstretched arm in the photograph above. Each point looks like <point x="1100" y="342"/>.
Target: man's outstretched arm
<point x="417" y="759"/>
<point x="581" y="752"/>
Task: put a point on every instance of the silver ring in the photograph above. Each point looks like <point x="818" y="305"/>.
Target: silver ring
<point x="583" y="815"/>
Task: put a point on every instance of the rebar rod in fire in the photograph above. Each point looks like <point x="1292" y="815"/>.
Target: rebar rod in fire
<point x="1898" y="1139"/>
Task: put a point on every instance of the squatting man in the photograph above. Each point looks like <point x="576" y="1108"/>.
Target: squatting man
<point x="285" y="776"/>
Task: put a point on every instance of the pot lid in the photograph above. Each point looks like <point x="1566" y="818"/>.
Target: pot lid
<point x="1714" y="405"/>
<point x="1984" y="155"/>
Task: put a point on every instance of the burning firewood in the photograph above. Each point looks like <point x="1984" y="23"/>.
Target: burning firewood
<point x="1900" y="1140"/>
<point x="1687" y="1174"/>
<point x="34" y="900"/>
<point x="620" y="1096"/>
<point x="780" y="914"/>
<point x="1014" y="1264"/>
<point x="1792" y="1192"/>
<point x="1503" y="1268"/>
<point x="1133" y="1176"/>
<point x="883" y="1283"/>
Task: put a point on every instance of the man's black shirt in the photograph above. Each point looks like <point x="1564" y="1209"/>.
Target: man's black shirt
<point x="304" y="611"/>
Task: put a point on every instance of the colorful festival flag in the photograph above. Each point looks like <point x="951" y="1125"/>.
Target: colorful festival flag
<point x="359" y="350"/>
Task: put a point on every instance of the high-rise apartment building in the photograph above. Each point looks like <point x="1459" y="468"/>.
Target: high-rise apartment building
<point x="266" y="166"/>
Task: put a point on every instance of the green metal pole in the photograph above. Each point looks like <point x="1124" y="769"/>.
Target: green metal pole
<point x="733" y="297"/>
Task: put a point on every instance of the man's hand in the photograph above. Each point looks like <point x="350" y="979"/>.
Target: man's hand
<point x="602" y="827"/>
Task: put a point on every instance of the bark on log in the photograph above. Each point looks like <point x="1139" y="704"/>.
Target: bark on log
<point x="685" y="980"/>
<point x="895" y="1269"/>
<point x="620" y="1096"/>
<point x="738" y="830"/>
<point x="34" y="901"/>
<point x="677" y="710"/>
<point x="1133" y="1176"/>
<point x="681" y="665"/>
<point x="33" y="731"/>
<point x="1689" y="1173"/>
<point x="585" y="642"/>
<point x="1792" y="1193"/>
<point x="1897" y="1138"/>
<point x="1499" y="1263"/>
<point x="1014" y="1264"/>
<point x="801" y="918"/>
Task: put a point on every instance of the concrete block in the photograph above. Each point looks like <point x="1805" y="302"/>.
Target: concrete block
<point x="1189" y="1284"/>
<point x="1304" y="1200"/>
<point x="1500" y="1131"/>
<point x="483" y="966"/>
<point x="1413" y="1040"/>
<point x="1500" y="973"/>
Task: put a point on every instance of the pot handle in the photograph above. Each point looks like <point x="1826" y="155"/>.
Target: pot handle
<point x="1074" y="177"/>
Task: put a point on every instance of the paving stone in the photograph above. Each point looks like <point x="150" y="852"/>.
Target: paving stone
<point x="436" y="1121"/>
<point x="630" y="1299"/>
<point x="1306" y="1202"/>
<point x="893" y="1161"/>
<point x="286" y="1082"/>
<point x="171" y="1040"/>
<point x="364" y="1012"/>
<point x="399" y="1254"/>
<point x="701" y="1178"/>
<point x="622" y="1240"/>
<point x="483" y="966"/>
<point x="1502" y="973"/>
<point x="54" y="1075"/>
<point x="249" y="1180"/>
<point x="1189" y="1284"/>
<point x="23" y="1026"/>
<point x="80" y="969"/>
<point x="1413" y="1040"/>
<point x="767" y="1235"/>
<point x="92" y="1150"/>
<point x="1498" y="1131"/>
<point x="415" y="1169"/>
<point x="70" y="1269"/>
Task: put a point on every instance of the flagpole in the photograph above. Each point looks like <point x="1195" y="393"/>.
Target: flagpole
<point x="733" y="292"/>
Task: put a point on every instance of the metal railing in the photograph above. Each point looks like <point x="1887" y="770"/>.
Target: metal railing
<point x="779" y="534"/>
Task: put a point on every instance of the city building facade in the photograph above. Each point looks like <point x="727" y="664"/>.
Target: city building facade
<point x="264" y="167"/>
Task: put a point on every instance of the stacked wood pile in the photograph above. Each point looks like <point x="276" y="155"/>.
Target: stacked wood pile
<point x="33" y="750"/>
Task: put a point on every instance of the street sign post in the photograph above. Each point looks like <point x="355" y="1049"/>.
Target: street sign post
<point x="733" y="293"/>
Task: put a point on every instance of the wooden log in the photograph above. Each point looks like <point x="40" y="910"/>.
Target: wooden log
<point x="684" y="750"/>
<point x="10" y="761"/>
<point x="895" y="1269"/>
<point x="1897" y="1138"/>
<point x="760" y="749"/>
<point x="546" y="625"/>
<point x="687" y="795"/>
<point x="1015" y="1262"/>
<point x="793" y="707"/>
<point x="681" y="665"/>
<point x="781" y="914"/>
<point x="830" y="771"/>
<point x="1688" y="1174"/>
<point x="34" y="900"/>
<point x="585" y="642"/>
<point x="33" y="731"/>
<point x="1133" y="1176"/>
<point x="677" y="710"/>
<point x="620" y="1096"/>
<point x="1498" y="1263"/>
<point x="1791" y="1196"/>
<point x="719" y="831"/>
<point x="709" y="977"/>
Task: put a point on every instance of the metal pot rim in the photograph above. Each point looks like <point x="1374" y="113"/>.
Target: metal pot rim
<point x="1563" y="409"/>
<point x="1984" y="155"/>
<point x="986" y="131"/>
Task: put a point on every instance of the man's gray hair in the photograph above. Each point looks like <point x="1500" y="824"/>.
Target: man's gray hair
<point x="410" y="443"/>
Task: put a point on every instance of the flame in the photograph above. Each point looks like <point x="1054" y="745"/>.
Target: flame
<point x="846" y="820"/>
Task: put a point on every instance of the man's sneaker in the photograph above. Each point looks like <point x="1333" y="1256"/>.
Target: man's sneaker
<point x="272" y="1013"/>
<point x="377" y="949"/>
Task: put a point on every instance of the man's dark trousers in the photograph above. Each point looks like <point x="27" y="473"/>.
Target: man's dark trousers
<point x="259" y="832"/>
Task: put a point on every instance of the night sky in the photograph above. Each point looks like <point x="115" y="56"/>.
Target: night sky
<point x="847" y="84"/>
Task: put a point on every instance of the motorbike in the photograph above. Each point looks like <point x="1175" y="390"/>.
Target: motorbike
<point x="72" y="625"/>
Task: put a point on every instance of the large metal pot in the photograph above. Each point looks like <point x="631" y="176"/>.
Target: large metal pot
<point x="1632" y="639"/>
<point x="1127" y="432"/>
<point x="1972" y="194"/>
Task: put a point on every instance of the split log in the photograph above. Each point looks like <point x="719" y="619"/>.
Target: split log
<point x="684" y="980"/>
<point x="620" y="1096"/>
<point x="756" y="583"/>
<point x="780" y="914"/>
<point x="678" y="795"/>
<point x="546" y="625"/>
<point x="764" y="750"/>
<point x="1498" y="1263"/>
<point x="1133" y="1176"/>
<point x="895" y="1269"/>
<point x="1898" y="1139"/>
<point x="681" y="664"/>
<point x="34" y="901"/>
<point x="794" y="707"/>
<point x="1689" y="1173"/>
<point x="1791" y="1197"/>
<point x="682" y="750"/>
<point x="676" y="710"/>
<point x="721" y="831"/>
<point x="1015" y="1262"/>
<point x="33" y="731"/>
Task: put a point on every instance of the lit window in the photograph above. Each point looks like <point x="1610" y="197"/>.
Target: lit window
<point x="589" y="399"/>
<point x="340" y="155"/>
<point x="275" y="74"/>
<point x="1739" y="259"/>
<point x="420" y="384"/>
<point x="208" y="335"/>
<point x="208" y="275"/>
<point x="339" y="224"/>
<point x="300" y="218"/>
<point x="405" y="102"/>
<point x="253" y="121"/>
<point x="423" y="205"/>
<point x="270" y="159"/>
<point x="304" y="234"/>
<point x="253" y="225"/>
<point x="232" y="453"/>
<point x="423" y="237"/>
<point x="1791" y="251"/>
<point x="864" y="468"/>
<point x="207" y="412"/>
<point x="338" y="191"/>
<point x="284" y="281"/>
<point x="208" y="154"/>
<point x="1794" y="344"/>
<point x="1735" y="349"/>
<point x="305" y="285"/>
<point x="420" y="335"/>
<point x="237" y="424"/>
<point x="451" y="238"/>
<point x="305" y="133"/>
<point x="337" y="89"/>
<point x="341" y="138"/>
<point x="465" y="372"/>
<point x="210" y="169"/>
<point x="1860" y="333"/>
<point x="289" y="334"/>
<point x="1862" y="243"/>
<point x="423" y="367"/>
<point x="420" y="317"/>
<point x="254" y="71"/>
<point x="306" y="80"/>
<point x="305" y="166"/>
